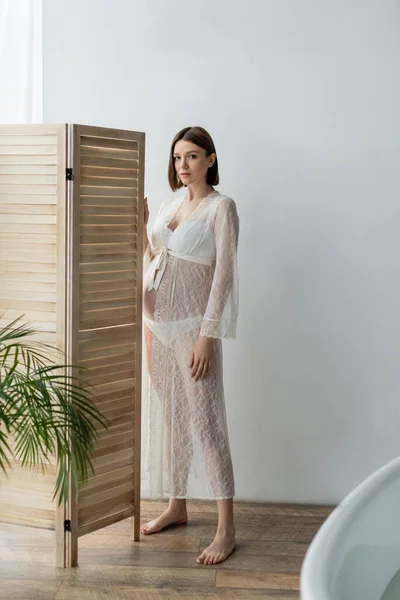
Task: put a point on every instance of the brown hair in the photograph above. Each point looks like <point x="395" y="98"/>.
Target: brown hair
<point x="200" y="137"/>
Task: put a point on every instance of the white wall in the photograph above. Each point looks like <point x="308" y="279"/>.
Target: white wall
<point x="302" y="101"/>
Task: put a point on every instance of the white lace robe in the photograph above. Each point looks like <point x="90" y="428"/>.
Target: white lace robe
<point x="190" y="289"/>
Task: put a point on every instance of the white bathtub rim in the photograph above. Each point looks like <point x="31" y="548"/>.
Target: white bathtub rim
<point x="313" y="579"/>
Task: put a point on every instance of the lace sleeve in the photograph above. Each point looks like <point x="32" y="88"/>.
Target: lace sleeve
<point x="149" y="254"/>
<point x="220" y="317"/>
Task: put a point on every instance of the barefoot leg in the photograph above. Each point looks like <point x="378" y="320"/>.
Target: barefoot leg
<point x="224" y="542"/>
<point x="178" y="445"/>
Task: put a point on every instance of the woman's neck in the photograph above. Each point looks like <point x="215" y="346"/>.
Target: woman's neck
<point x="197" y="191"/>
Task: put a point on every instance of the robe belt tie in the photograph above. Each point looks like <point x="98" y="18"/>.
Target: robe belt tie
<point x="159" y="264"/>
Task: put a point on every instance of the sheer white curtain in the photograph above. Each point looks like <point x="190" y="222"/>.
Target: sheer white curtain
<point x="21" y="61"/>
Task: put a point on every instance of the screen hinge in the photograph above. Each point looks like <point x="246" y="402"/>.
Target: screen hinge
<point x="67" y="525"/>
<point x="69" y="173"/>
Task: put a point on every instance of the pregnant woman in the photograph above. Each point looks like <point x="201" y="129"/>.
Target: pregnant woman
<point x="190" y="302"/>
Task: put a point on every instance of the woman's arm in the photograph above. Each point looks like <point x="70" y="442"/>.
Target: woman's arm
<point x="145" y="240"/>
<point x="145" y="221"/>
<point x="220" y="317"/>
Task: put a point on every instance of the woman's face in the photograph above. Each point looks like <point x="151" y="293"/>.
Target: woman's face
<point x="191" y="162"/>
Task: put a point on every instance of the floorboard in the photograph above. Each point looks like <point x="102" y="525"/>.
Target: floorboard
<point x="272" y="540"/>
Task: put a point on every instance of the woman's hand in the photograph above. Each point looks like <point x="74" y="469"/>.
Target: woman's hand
<point x="145" y="221"/>
<point x="146" y="212"/>
<point x="200" y="357"/>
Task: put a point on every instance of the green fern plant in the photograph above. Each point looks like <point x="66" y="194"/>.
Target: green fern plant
<point x="45" y="410"/>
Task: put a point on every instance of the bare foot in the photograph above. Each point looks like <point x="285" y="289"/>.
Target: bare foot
<point x="168" y="517"/>
<point x="222" y="546"/>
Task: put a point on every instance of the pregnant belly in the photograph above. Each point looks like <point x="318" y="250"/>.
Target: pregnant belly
<point x="192" y="284"/>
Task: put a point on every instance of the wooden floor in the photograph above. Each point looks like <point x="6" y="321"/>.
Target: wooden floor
<point x="271" y="543"/>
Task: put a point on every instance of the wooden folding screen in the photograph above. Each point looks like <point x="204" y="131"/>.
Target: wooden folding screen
<point x="71" y="222"/>
<point x="33" y="162"/>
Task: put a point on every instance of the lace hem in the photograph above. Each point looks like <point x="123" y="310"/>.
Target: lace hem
<point x="221" y="328"/>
